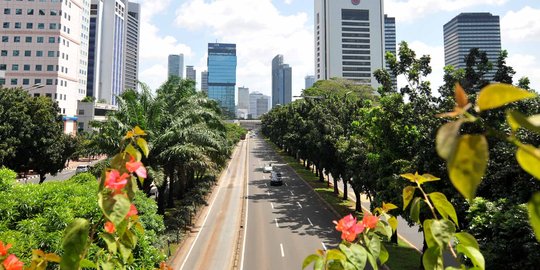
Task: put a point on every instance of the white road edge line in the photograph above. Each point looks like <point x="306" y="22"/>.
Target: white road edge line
<point x="277" y="224"/>
<point x="299" y="204"/>
<point x="324" y="246"/>
<point x="309" y="220"/>
<point x="247" y="209"/>
<point x="272" y="205"/>
<point x="268" y="193"/>
<point x="204" y="223"/>
<point x="282" y="253"/>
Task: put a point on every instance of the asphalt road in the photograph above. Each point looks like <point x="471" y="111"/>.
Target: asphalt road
<point x="285" y="223"/>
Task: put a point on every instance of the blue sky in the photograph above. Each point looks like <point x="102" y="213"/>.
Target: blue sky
<point x="263" y="28"/>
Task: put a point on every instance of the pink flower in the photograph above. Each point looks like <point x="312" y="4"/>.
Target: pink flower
<point x="370" y="221"/>
<point x="349" y="228"/>
<point x="4" y="249"/>
<point x="12" y="263"/>
<point x="109" y="227"/>
<point x="114" y="181"/>
<point x="136" y="166"/>
<point x="132" y="211"/>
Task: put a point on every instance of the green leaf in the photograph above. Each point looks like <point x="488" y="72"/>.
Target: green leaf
<point x="443" y="206"/>
<point x="74" y="243"/>
<point x="125" y="252"/>
<point x="426" y="177"/>
<point x="310" y="259"/>
<point x="473" y="254"/>
<point x="335" y="255"/>
<point x="428" y="236"/>
<point x="87" y="264"/>
<point x="528" y="158"/>
<point x="372" y="261"/>
<point x="409" y="176"/>
<point x="133" y="152"/>
<point x="408" y="194"/>
<point x="415" y="209"/>
<point x="467" y="239"/>
<point x="393" y="223"/>
<point x="143" y="145"/>
<point x="468" y="165"/>
<point x="534" y="214"/>
<point x="442" y="231"/>
<point x="384" y="255"/>
<point x="374" y="246"/>
<point x="432" y="259"/>
<point x="447" y="139"/>
<point x="497" y="95"/>
<point x="517" y="120"/>
<point x="110" y="241"/>
<point x="120" y="209"/>
<point x="356" y="254"/>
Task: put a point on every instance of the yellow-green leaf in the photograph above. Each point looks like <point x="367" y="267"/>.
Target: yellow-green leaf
<point x="528" y="157"/>
<point x="473" y="254"/>
<point x="447" y="138"/>
<point x="74" y="243"/>
<point x="409" y="176"/>
<point x="432" y="259"/>
<point x="442" y="231"/>
<point x="143" y="145"/>
<point x="393" y="222"/>
<point x="408" y="194"/>
<point x="356" y="254"/>
<point x="468" y="164"/>
<point x="426" y="177"/>
<point x="389" y="207"/>
<point x="335" y="255"/>
<point x="467" y="239"/>
<point x="443" y="206"/>
<point x="534" y="214"/>
<point x="415" y="209"/>
<point x="517" y="120"/>
<point x="497" y="95"/>
<point x="138" y="131"/>
<point x="133" y="152"/>
<point x="51" y="257"/>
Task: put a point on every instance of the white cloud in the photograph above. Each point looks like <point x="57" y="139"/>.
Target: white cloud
<point x="260" y="32"/>
<point x="437" y="63"/>
<point x="154" y="75"/>
<point x="409" y="10"/>
<point x="288" y="2"/>
<point x="525" y="65"/>
<point x="521" y="25"/>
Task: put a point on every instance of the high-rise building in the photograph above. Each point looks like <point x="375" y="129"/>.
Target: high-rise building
<point x="310" y="81"/>
<point x="349" y="40"/>
<point x="132" y="45"/>
<point x="390" y="43"/>
<point x="44" y="50"/>
<point x="472" y="30"/>
<point x="242" y="109"/>
<point x="176" y="65"/>
<point x="107" y="52"/>
<point x="258" y="104"/>
<point x="204" y="82"/>
<point x="281" y="82"/>
<point x="222" y="75"/>
<point x="191" y="73"/>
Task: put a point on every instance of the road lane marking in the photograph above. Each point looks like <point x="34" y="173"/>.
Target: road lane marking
<point x="299" y="204"/>
<point x="247" y="208"/>
<point x="291" y="193"/>
<point x="282" y="253"/>
<point x="309" y="220"/>
<point x="272" y="205"/>
<point x="324" y="246"/>
<point x="286" y="185"/>
<point x="277" y="225"/>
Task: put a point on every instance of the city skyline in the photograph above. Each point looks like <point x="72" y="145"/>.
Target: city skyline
<point x="287" y="28"/>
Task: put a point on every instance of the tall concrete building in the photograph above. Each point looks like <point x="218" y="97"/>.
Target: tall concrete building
<point x="390" y="42"/>
<point x="472" y="30"/>
<point x="191" y="73"/>
<point x="349" y="39"/>
<point x="176" y="65"/>
<point x="107" y="52"/>
<point x="281" y="82"/>
<point x="242" y="110"/>
<point x="309" y="81"/>
<point x="44" y="50"/>
<point x="132" y="45"/>
<point x="204" y="82"/>
<point x="222" y="75"/>
<point x="258" y="104"/>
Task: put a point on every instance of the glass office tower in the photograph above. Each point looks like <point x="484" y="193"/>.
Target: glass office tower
<point x="222" y="75"/>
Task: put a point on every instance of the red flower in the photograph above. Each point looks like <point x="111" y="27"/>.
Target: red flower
<point x="109" y="227"/>
<point x="136" y="166"/>
<point x="370" y="221"/>
<point x="349" y="228"/>
<point x="4" y="249"/>
<point x="114" y="181"/>
<point x="12" y="263"/>
<point x="132" y="211"/>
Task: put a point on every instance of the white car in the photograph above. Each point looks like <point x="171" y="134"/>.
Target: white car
<point x="267" y="169"/>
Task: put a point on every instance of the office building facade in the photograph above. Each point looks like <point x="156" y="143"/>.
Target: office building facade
<point x="132" y="46"/>
<point x="191" y="73"/>
<point x="472" y="30"/>
<point x="176" y="65"/>
<point x="222" y="64"/>
<point x="259" y="104"/>
<point x="242" y="110"/>
<point x="390" y="43"/>
<point x="349" y="40"/>
<point x="309" y="81"/>
<point x="44" y="50"/>
<point x="281" y="82"/>
<point x="204" y="82"/>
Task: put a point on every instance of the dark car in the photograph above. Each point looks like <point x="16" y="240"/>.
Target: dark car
<point x="276" y="179"/>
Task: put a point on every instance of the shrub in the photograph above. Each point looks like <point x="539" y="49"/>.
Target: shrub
<point x="7" y="178"/>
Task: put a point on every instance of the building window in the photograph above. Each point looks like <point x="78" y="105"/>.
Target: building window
<point x="39" y="67"/>
<point x="26" y="81"/>
<point x="29" y="25"/>
<point x="81" y="112"/>
<point x="49" y="82"/>
<point x="50" y="67"/>
<point x="51" y="39"/>
<point x="16" y="52"/>
<point x="17" y="25"/>
<point x="28" y="39"/>
<point x="52" y="26"/>
<point x="7" y="11"/>
<point x="17" y="39"/>
<point x="42" y="12"/>
<point x="54" y="12"/>
<point x="4" y="53"/>
<point x="18" y="11"/>
<point x="50" y="53"/>
<point x="14" y="81"/>
<point x="37" y="81"/>
<point x="39" y="53"/>
<point x="26" y="67"/>
<point x="27" y="53"/>
<point x="2" y="81"/>
<point x="30" y="11"/>
<point x="5" y="25"/>
<point x="5" y="38"/>
<point x="39" y="39"/>
<point x="15" y="67"/>
<point x="49" y="95"/>
<point x="3" y="66"/>
<point x="41" y="26"/>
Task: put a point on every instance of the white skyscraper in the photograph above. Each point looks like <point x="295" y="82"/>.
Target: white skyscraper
<point x="242" y="110"/>
<point x="176" y="65"/>
<point x="349" y="39"/>
<point x="44" y="49"/>
<point x="132" y="45"/>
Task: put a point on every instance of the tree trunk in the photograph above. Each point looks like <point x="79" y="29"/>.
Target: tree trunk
<point x="42" y="178"/>
<point x="394" y="238"/>
<point x="336" y="189"/>
<point x="321" y="175"/>
<point x="171" y="184"/>
<point x="182" y="181"/>
<point x="162" y="196"/>
<point x="358" y="204"/>
<point x="345" y="189"/>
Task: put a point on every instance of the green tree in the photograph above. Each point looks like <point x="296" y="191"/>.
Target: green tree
<point x="477" y="66"/>
<point x="504" y="73"/>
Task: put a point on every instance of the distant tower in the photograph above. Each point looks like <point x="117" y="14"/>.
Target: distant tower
<point x="132" y="46"/>
<point x="191" y="73"/>
<point x="204" y="82"/>
<point x="176" y="65"/>
<point x="242" y="109"/>
<point x="472" y="30"/>
<point x="310" y="81"/>
<point x="281" y="82"/>
<point x="222" y="75"/>
<point x="390" y="42"/>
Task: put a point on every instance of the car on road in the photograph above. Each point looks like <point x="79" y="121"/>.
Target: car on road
<point x="276" y="179"/>
<point x="82" y="168"/>
<point x="268" y="168"/>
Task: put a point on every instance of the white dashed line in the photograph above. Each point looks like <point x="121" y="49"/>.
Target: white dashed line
<point x="291" y="193"/>
<point x="299" y="204"/>
<point x="324" y="246"/>
<point x="272" y="205"/>
<point x="268" y="193"/>
<point x="277" y="225"/>
<point x="309" y="220"/>
<point x="282" y="253"/>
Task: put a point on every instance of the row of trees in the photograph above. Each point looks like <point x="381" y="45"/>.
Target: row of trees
<point x="368" y="140"/>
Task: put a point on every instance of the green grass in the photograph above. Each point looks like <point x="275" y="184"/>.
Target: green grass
<point x="402" y="256"/>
